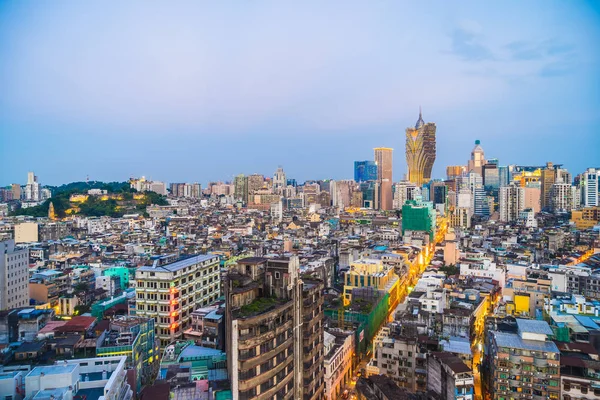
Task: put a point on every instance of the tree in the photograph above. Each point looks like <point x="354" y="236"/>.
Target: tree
<point x="450" y="270"/>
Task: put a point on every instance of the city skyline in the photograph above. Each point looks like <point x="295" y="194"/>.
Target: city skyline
<point x="209" y="104"/>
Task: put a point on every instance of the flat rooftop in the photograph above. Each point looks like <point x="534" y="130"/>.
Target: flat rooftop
<point x="180" y="264"/>
<point x="52" y="369"/>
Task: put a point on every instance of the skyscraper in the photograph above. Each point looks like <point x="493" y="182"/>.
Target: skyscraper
<point x="240" y="183"/>
<point x="589" y="182"/>
<point x="548" y="179"/>
<point x="420" y="151"/>
<point x="365" y="171"/>
<point x="477" y="159"/>
<point x="279" y="180"/>
<point x="512" y="202"/>
<point x="383" y="159"/>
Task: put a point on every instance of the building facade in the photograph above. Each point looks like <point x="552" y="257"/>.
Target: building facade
<point x="170" y="292"/>
<point x="274" y="331"/>
<point x="365" y="171"/>
<point x="420" y="151"/>
<point x="14" y="276"/>
<point x="512" y="202"/>
<point x="383" y="159"/>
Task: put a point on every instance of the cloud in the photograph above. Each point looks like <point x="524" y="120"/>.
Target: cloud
<point x="523" y="51"/>
<point x="528" y="50"/>
<point x="466" y="45"/>
<point x="555" y="69"/>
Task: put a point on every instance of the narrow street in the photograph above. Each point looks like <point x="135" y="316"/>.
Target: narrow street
<point x="414" y="274"/>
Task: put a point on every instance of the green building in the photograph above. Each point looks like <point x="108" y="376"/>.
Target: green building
<point x="121" y="272"/>
<point x="418" y="215"/>
<point x="100" y="307"/>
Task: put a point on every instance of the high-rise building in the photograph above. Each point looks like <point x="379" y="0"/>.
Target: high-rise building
<point x="438" y="193"/>
<point x="420" y="151"/>
<point x="504" y="175"/>
<point x="365" y="171"/>
<point x="561" y="197"/>
<point x="279" y="180"/>
<point x="532" y="198"/>
<point x="14" y="276"/>
<point x="491" y="178"/>
<point x="189" y="190"/>
<point x="170" y="290"/>
<point x="405" y="190"/>
<point x="590" y="183"/>
<point x="420" y="216"/>
<point x="16" y="191"/>
<point x="512" y="202"/>
<point x="455" y="171"/>
<point x="274" y="328"/>
<point x="383" y="159"/>
<point x="477" y="160"/>
<point x="33" y="189"/>
<point x="547" y="179"/>
<point x="255" y="183"/>
<point x="240" y="184"/>
<point x="370" y="194"/>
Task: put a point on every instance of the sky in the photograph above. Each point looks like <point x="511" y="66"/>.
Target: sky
<point x="202" y="91"/>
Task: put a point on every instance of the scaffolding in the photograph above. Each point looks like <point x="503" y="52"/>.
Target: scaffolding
<point x="365" y="324"/>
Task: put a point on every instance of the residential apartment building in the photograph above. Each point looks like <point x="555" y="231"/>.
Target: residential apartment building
<point x="512" y="202"/>
<point x="274" y="328"/>
<point x="526" y="297"/>
<point x="589" y="182"/>
<point x="170" y="291"/>
<point x="449" y="377"/>
<point x="400" y="358"/>
<point x="523" y="364"/>
<point x="14" y="276"/>
<point x="339" y="349"/>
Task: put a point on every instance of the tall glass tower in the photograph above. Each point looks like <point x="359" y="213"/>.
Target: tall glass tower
<point x="365" y="171"/>
<point x="420" y="151"/>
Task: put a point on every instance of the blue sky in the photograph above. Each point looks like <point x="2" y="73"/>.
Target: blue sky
<point x="199" y="91"/>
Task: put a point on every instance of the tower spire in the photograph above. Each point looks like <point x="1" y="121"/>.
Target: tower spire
<point x="420" y="121"/>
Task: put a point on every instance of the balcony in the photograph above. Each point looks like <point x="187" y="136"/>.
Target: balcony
<point x="540" y="362"/>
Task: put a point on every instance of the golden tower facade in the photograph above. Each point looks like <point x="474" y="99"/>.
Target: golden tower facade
<point x="420" y="151"/>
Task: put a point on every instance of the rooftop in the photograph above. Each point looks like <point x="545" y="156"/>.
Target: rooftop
<point x="180" y="264"/>
<point x="515" y="341"/>
<point x="52" y="369"/>
<point x="533" y="326"/>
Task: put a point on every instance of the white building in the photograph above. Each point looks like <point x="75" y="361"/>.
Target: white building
<point x="338" y="349"/>
<point x="80" y="378"/>
<point x="561" y="197"/>
<point x="277" y="211"/>
<point x="170" y="291"/>
<point x="512" y="202"/>
<point x="279" y="181"/>
<point x="589" y="187"/>
<point x="484" y="269"/>
<point x="33" y="190"/>
<point x="527" y="218"/>
<point x="405" y="190"/>
<point x="14" y="276"/>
